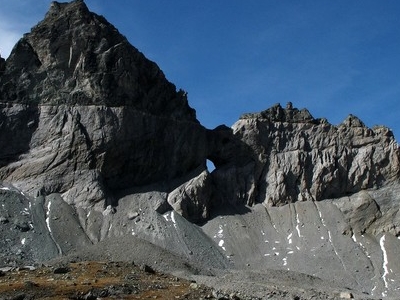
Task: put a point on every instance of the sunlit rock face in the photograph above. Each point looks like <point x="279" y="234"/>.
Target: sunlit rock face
<point x="295" y="157"/>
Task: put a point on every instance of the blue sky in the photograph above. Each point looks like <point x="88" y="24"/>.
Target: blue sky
<point x="331" y="57"/>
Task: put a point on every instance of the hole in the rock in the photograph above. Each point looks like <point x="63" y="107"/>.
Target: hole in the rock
<point x="210" y="165"/>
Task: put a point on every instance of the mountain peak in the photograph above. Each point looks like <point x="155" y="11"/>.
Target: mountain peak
<point x="77" y="57"/>
<point x="63" y="8"/>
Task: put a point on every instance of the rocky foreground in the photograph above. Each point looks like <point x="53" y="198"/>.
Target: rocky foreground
<point x="121" y="280"/>
<point x="97" y="280"/>
<point x="102" y="159"/>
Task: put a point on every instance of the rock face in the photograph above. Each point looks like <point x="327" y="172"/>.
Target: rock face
<point x="297" y="158"/>
<point x="2" y="64"/>
<point x="83" y="112"/>
<point x="96" y="142"/>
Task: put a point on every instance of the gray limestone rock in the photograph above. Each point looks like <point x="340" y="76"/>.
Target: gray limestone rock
<point x="297" y="158"/>
<point x="191" y="199"/>
<point x="91" y="113"/>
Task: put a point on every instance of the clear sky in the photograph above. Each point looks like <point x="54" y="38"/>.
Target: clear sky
<point x="235" y="56"/>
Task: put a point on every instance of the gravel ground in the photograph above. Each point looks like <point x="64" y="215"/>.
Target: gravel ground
<point x="131" y="268"/>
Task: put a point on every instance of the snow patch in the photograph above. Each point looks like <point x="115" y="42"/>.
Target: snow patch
<point x="221" y="244"/>
<point x="298" y="225"/>
<point x="220" y="233"/>
<point x="385" y="262"/>
<point x="23" y="241"/>
<point x="353" y="237"/>
<point x="166" y="217"/>
<point x="173" y="219"/>
<point x="289" y="238"/>
<point x="48" y="216"/>
<point x="4" y="188"/>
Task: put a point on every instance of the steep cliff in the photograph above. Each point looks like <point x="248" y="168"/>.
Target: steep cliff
<point x="83" y="112"/>
<point x="296" y="158"/>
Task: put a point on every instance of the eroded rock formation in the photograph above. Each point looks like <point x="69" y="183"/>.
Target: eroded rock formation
<point x="297" y="158"/>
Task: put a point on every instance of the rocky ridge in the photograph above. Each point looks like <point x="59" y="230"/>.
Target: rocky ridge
<point x="107" y="149"/>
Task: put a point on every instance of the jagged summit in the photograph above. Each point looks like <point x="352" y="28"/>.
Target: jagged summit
<point x="277" y="113"/>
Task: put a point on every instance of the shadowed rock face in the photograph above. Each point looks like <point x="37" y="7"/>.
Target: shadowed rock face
<point x="95" y="141"/>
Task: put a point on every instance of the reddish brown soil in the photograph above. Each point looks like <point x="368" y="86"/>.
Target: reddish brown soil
<point x="92" y="280"/>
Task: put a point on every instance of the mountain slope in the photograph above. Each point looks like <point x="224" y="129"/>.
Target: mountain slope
<point x="101" y="157"/>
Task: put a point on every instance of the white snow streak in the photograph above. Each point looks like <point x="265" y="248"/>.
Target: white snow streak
<point x="48" y="216"/>
<point x="173" y="218"/>
<point x="4" y="188"/>
<point x="289" y="238"/>
<point x="70" y="57"/>
<point x="23" y="241"/>
<point x="385" y="263"/>
<point x="353" y="237"/>
<point x="298" y="225"/>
